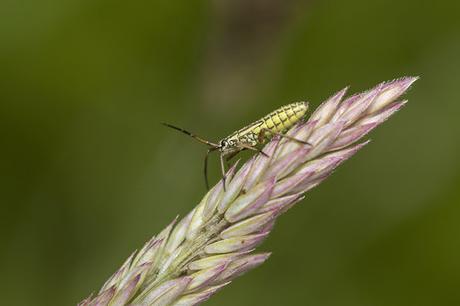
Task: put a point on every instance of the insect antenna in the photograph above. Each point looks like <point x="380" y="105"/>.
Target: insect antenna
<point x="202" y="140"/>
<point x="196" y="137"/>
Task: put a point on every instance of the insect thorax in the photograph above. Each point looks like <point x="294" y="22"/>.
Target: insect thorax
<point x="236" y="142"/>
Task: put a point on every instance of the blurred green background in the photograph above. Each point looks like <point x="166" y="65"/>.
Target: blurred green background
<point x="88" y="174"/>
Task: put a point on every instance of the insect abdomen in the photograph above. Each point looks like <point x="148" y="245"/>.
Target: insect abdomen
<point x="277" y="121"/>
<point x="283" y="118"/>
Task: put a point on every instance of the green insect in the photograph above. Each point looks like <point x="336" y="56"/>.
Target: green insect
<point x="247" y="138"/>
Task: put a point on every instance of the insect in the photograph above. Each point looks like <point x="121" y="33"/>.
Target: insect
<point x="256" y="133"/>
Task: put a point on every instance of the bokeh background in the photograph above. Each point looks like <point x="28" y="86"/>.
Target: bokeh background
<point x="88" y="174"/>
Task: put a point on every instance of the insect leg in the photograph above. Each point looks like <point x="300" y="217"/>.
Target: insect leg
<point x="206" y="167"/>
<point x="222" y="166"/>
<point x="229" y="156"/>
<point x="262" y="134"/>
<point x="244" y="146"/>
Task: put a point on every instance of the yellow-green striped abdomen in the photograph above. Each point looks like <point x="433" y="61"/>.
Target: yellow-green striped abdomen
<point x="283" y="118"/>
<point x="277" y="121"/>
